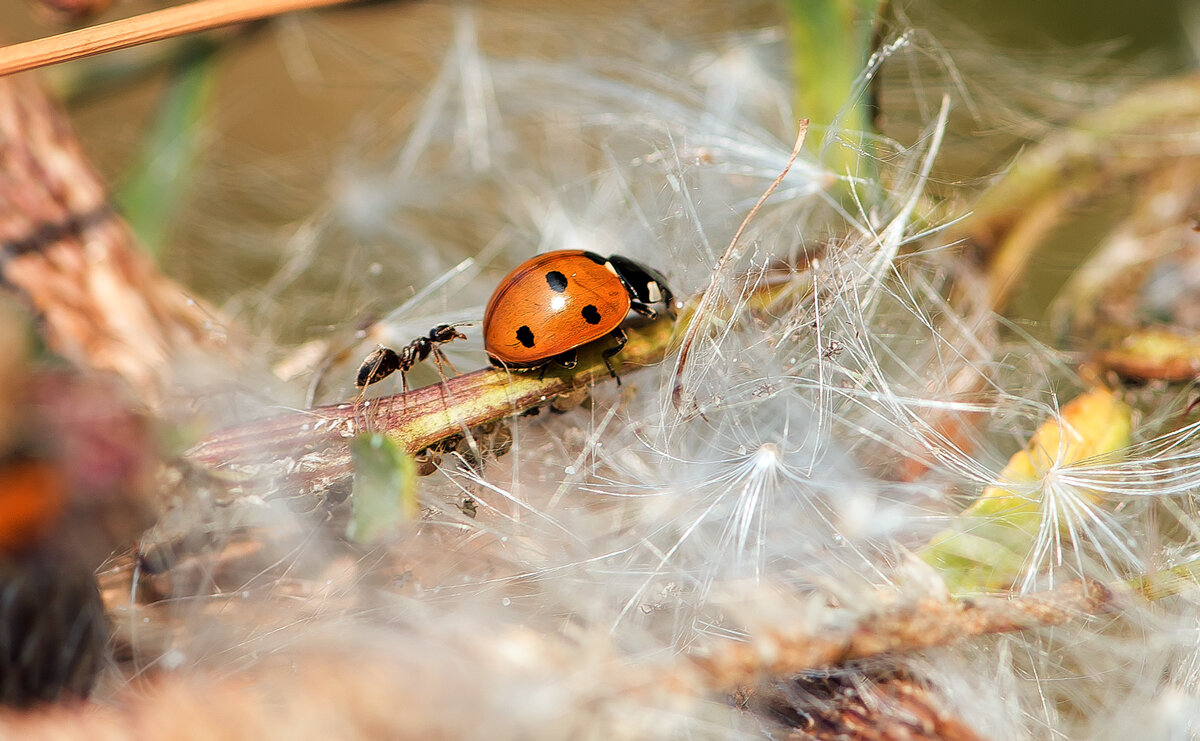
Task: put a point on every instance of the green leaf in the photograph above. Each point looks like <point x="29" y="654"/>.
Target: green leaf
<point x="385" y="487"/>
<point x="989" y="543"/>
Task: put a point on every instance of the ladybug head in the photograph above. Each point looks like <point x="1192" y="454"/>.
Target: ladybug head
<point x="644" y="284"/>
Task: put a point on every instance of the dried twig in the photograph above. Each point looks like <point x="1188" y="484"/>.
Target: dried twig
<point x="180" y="20"/>
<point x="921" y="625"/>
<point x="308" y="450"/>
<point x="726" y="260"/>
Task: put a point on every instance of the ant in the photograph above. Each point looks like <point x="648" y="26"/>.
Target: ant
<point x="384" y="361"/>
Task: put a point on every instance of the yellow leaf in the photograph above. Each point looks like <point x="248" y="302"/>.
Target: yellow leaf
<point x="988" y="544"/>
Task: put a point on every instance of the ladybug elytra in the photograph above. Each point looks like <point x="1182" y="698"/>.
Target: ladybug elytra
<point x="554" y="303"/>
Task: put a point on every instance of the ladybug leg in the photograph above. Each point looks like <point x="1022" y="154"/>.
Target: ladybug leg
<point x="644" y="310"/>
<point x="567" y="359"/>
<point x="619" y="335"/>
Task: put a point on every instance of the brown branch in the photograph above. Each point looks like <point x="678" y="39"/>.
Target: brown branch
<point x="307" y="451"/>
<point x="180" y="20"/>
<point x="924" y="624"/>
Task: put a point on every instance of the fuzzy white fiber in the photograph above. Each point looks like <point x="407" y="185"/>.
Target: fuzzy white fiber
<point x="614" y="539"/>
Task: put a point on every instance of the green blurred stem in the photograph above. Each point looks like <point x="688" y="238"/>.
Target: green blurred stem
<point x="831" y="43"/>
<point x="1157" y="585"/>
<point x="156" y="184"/>
<point x="1104" y="151"/>
<point x="83" y="82"/>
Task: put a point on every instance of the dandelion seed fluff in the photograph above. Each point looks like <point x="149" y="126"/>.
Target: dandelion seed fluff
<point x="619" y="533"/>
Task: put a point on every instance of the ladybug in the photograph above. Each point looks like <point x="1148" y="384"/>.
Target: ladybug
<point x="554" y="303"/>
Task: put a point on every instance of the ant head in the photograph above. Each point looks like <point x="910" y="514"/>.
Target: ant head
<point x="446" y="333"/>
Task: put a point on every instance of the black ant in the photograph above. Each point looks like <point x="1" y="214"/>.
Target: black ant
<point x="384" y="361"/>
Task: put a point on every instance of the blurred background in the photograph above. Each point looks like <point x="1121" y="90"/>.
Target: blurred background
<point x="294" y="110"/>
<point x="318" y="172"/>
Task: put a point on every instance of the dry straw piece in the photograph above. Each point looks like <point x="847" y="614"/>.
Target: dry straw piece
<point x="180" y="20"/>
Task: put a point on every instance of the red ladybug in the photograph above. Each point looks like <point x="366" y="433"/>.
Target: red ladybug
<point x="556" y="302"/>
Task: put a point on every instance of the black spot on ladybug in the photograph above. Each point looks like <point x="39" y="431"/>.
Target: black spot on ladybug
<point x="525" y="335"/>
<point x="591" y="315"/>
<point x="557" y="281"/>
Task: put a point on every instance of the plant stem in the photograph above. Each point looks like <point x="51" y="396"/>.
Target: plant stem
<point x="831" y="41"/>
<point x="201" y="15"/>
<point x="306" y="452"/>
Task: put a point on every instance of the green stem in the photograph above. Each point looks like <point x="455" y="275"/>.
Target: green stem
<point x="831" y="43"/>
<point x="156" y="184"/>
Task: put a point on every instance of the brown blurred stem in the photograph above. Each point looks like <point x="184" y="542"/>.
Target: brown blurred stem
<point x="923" y="624"/>
<point x="741" y="669"/>
<point x="1144" y="131"/>
<point x="179" y="20"/>
<point x="72" y="260"/>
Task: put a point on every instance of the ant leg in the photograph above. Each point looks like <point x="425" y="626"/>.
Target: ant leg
<point x="368" y="373"/>
<point x="358" y="409"/>
<point x="619" y="335"/>
<point x="439" y="357"/>
<point x="404" y="388"/>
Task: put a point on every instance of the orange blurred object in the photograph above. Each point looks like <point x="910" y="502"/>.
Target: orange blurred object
<point x="32" y="500"/>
